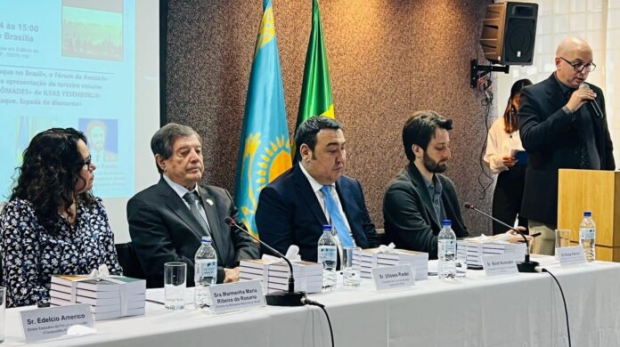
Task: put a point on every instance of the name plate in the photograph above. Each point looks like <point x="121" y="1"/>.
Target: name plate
<point x="236" y="296"/>
<point x="571" y="255"/>
<point x="503" y="264"/>
<point x="390" y="277"/>
<point x="47" y="323"/>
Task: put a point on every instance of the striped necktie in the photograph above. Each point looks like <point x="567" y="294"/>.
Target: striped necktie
<point x="193" y="200"/>
<point x="337" y="217"/>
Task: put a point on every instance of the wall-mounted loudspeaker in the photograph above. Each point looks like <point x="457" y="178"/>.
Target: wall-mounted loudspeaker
<point x="509" y="32"/>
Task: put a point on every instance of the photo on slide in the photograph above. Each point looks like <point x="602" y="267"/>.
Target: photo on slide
<point x="102" y="136"/>
<point x="93" y="29"/>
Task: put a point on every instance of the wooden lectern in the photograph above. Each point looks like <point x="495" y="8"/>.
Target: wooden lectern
<point x="596" y="191"/>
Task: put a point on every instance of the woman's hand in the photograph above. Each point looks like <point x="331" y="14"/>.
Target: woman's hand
<point x="509" y="161"/>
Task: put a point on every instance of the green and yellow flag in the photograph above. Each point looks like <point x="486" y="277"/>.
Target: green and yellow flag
<point x="316" y="91"/>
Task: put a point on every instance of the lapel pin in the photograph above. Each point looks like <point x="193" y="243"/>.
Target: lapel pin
<point x="210" y="202"/>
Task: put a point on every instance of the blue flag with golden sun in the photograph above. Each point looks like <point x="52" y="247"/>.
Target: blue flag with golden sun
<point x="265" y="150"/>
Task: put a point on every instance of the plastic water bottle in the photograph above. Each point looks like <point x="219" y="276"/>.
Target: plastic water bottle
<point x="205" y="273"/>
<point x="327" y="255"/>
<point x="446" y="251"/>
<point x="587" y="235"/>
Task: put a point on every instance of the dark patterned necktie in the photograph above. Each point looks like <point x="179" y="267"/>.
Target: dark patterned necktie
<point x="193" y="200"/>
<point x="584" y="159"/>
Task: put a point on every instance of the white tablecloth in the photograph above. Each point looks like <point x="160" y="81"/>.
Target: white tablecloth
<point x="522" y="310"/>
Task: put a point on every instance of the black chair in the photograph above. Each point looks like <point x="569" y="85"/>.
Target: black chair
<point x="129" y="260"/>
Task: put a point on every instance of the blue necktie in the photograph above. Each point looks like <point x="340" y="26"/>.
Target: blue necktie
<point x="337" y="218"/>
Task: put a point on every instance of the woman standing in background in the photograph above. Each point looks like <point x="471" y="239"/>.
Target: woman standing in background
<point x="505" y="156"/>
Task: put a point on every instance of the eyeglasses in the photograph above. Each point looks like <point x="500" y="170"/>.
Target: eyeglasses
<point x="580" y="67"/>
<point x="88" y="162"/>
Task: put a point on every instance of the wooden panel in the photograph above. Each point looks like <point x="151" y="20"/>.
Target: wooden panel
<point x="581" y="190"/>
<point x="608" y="253"/>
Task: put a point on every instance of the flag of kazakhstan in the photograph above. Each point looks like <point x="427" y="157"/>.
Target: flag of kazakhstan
<point x="265" y="150"/>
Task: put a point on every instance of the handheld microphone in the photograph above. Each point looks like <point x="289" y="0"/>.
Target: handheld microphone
<point x="593" y="104"/>
<point x="524" y="266"/>
<point x="279" y="298"/>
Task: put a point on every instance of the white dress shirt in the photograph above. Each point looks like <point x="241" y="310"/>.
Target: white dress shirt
<point x="181" y="191"/>
<point x="499" y="145"/>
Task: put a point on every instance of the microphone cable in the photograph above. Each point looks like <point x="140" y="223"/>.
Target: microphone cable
<point x="564" y="300"/>
<point x="307" y="301"/>
<point x="487" y="102"/>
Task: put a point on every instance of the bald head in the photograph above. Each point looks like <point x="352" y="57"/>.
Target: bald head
<point x="572" y="44"/>
<point x="571" y="51"/>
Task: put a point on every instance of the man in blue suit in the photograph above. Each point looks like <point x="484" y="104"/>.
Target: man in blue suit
<point x="294" y="207"/>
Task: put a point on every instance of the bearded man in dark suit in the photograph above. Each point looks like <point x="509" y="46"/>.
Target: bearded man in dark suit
<point x="420" y="197"/>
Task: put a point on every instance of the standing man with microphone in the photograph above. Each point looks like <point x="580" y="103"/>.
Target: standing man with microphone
<point x="563" y="124"/>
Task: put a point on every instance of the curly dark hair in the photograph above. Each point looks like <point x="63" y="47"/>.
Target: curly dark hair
<point x="49" y="174"/>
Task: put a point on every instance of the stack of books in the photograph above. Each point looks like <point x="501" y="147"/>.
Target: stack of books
<point x="470" y="251"/>
<point x="255" y="269"/>
<point x="365" y="261"/>
<point x="308" y="277"/>
<point x="274" y="274"/>
<point x="474" y="250"/>
<point x="104" y="297"/>
<point x="368" y="259"/>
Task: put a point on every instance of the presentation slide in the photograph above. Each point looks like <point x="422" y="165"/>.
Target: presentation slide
<point x="90" y="65"/>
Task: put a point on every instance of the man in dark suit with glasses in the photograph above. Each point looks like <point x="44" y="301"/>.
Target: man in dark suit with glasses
<point x="563" y="125"/>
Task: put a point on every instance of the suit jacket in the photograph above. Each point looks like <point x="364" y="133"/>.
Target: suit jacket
<point x="552" y="139"/>
<point x="289" y="213"/>
<point x="163" y="229"/>
<point x="409" y="216"/>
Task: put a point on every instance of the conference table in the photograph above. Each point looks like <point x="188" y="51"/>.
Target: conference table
<point x="502" y="311"/>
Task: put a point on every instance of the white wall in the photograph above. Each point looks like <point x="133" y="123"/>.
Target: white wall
<point x="598" y="22"/>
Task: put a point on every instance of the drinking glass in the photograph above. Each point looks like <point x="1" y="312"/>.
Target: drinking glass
<point x="460" y="261"/>
<point x="562" y="239"/>
<point x="175" y="282"/>
<point x="461" y="266"/>
<point x="351" y="275"/>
